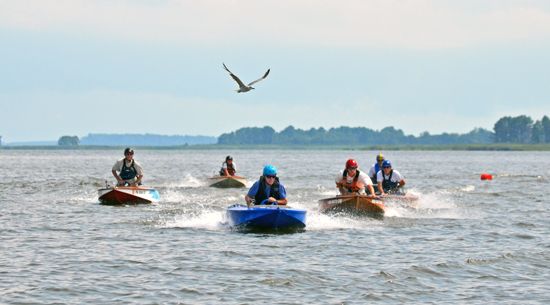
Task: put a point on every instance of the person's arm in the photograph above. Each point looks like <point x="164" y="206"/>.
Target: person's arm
<point x="225" y="172"/>
<point x="399" y="178"/>
<point x="340" y="188"/>
<point x="117" y="177"/>
<point x="283" y="200"/>
<point x="381" y="189"/>
<point x="138" y="180"/>
<point x="340" y="184"/>
<point x="367" y="182"/>
<point x="115" y="174"/>
<point x="371" y="190"/>
<point x="249" y="197"/>
<point x="139" y="173"/>
<point x="379" y="180"/>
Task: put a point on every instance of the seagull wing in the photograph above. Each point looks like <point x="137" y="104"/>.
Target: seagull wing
<point x="259" y="79"/>
<point x="241" y="84"/>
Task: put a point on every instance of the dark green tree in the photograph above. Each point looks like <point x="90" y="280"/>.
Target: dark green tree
<point x="513" y="129"/>
<point x="248" y="135"/>
<point x="545" y="121"/>
<point x="68" y="141"/>
<point x="537" y="134"/>
<point x="502" y="130"/>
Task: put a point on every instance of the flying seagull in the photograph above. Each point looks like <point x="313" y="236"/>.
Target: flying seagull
<point x="242" y="86"/>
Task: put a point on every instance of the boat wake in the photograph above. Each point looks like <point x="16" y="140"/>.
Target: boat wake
<point x="189" y="181"/>
<point x="429" y="205"/>
<point x="208" y="220"/>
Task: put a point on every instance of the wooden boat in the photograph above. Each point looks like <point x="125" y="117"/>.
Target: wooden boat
<point x="227" y="181"/>
<point x="266" y="216"/>
<point x="352" y="204"/>
<point x="128" y="195"/>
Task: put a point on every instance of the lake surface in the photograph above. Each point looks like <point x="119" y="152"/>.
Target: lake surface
<point x="466" y="241"/>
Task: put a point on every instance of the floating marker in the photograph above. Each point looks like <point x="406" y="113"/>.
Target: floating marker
<point x="486" y="176"/>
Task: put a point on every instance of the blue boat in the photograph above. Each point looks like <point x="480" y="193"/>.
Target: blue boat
<point x="266" y="216"/>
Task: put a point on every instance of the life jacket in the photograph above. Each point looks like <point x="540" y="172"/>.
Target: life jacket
<point x="128" y="172"/>
<point x="387" y="184"/>
<point x="230" y="169"/>
<point x="376" y="169"/>
<point x="352" y="187"/>
<point x="273" y="192"/>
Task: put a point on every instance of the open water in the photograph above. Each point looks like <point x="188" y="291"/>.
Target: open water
<point x="466" y="241"/>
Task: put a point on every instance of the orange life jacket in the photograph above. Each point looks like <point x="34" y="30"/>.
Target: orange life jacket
<point x="230" y="169"/>
<point x="352" y="187"/>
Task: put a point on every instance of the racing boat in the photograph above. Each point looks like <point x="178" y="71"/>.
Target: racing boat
<point x="266" y="216"/>
<point x="353" y="204"/>
<point x="128" y="195"/>
<point x="227" y="181"/>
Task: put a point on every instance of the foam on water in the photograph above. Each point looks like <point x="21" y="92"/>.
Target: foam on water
<point x="317" y="221"/>
<point x="208" y="219"/>
<point x="468" y="188"/>
<point x="187" y="181"/>
<point x="430" y="205"/>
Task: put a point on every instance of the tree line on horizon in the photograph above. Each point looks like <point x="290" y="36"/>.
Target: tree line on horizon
<point x="515" y="130"/>
<point x="520" y="129"/>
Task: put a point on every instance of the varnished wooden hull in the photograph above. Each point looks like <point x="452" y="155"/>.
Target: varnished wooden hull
<point x="128" y="195"/>
<point x="352" y="204"/>
<point x="227" y="181"/>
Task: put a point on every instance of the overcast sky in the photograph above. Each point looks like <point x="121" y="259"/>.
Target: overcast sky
<point x="73" y="67"/>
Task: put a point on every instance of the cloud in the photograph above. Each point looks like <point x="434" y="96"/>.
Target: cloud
<point x="411" y="24"/>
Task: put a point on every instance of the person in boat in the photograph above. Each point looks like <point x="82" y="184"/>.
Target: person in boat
<point x="130" y="172"/>
<point x="353" y="181"/>
<point x="390" y="181"/>
<point x="228" y="167"/>
<point x="375" y="168"/>
<point x="267" y="187"/>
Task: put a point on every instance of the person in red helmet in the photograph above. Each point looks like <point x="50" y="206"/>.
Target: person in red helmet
<point x="352" y="181"/>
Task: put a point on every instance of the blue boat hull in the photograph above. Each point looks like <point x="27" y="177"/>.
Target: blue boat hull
<point x="269" y="217"/>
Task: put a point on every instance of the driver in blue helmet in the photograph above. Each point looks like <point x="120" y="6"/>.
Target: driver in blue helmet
<point x="267" y="189"/>
<point x="390" y="181"/>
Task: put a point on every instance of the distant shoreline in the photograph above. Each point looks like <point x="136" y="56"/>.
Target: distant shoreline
<point x="449" y="147"/>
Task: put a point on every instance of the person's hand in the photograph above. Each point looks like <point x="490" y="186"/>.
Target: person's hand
<point x="271" y="200"/>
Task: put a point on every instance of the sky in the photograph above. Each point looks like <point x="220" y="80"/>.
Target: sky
<point x="74" y="67"/>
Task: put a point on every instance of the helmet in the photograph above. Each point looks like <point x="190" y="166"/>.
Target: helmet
<point x="128" y="150"/>
<point x="228" y="158"/>
<point x="380" y="157"/>
<point x="351" y="163"/>
<point x="386" y="163"/>
<point x="270" y="170"/>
